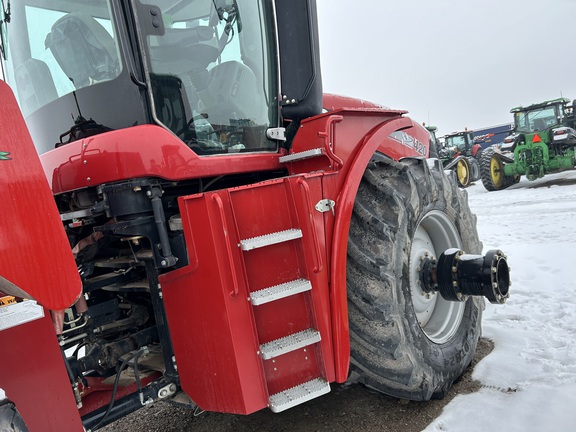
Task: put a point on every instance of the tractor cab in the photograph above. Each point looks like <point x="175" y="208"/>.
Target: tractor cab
<point x="541" y="117"/>
<point x="206" y="71"/>
<point x="462" y="142"/>
<point x="551" y="123"/>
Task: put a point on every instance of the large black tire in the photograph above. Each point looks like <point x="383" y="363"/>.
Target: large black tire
<point x="10" y="418"/>
<point x="492" y="172"/>
<point x="404" y="343"/>
<point x="474" y="169"/>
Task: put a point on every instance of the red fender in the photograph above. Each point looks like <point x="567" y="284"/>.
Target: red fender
<point x="35" y="262"/>
<point x="34" y="250"/>
<point x="339" y="304"/>
<point x="475" y="149"/>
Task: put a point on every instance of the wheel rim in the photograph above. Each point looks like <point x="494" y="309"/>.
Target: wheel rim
<point x="496" y="170"/>
<point x="462" y="172"/>
<point x="439" y="319"/>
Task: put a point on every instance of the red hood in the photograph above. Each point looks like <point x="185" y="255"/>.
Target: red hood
<point x="332" y="102"/>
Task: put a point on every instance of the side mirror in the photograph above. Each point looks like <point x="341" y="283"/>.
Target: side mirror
<point x="301" y="81"/>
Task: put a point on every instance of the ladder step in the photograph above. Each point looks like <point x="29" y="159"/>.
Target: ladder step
<point x="289" y="343"/>
<point x="278" y="292"/>
<point x="296" y="395"/>
<point x="301" y="155"/>
<point x="270" y="239"/>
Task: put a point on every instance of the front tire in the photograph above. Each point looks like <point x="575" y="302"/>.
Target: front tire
<point x="10" y="418"/>
<point x="403" y="342"/>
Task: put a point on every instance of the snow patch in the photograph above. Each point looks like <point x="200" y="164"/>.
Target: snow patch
<point x="529" y="379"/>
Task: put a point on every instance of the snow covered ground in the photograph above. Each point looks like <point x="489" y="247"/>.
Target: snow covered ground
<point x="529" y="380"/>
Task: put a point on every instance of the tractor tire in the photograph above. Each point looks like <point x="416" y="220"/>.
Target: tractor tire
<point x="405" y="343"/>
<point x="462" y="170"/>
<point x="10" y="418"/>
<point x="474" y="169"/>
<point x="492" y="172"/>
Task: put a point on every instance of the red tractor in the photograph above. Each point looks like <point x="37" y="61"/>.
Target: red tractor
<point x="211" y="229"/>
<point x="460" y="150"/>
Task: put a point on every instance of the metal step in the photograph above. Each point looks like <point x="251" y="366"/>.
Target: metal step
<point x="278" y="292"/>
<point x="289" y="343"/>
<point x="301" y="155"/>
<point x="296" y="395"/>
<point x="270" y="239"/>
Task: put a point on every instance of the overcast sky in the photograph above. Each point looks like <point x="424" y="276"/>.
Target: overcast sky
<point x="451" y="63"/>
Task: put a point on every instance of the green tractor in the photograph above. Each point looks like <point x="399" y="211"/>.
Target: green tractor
<point x="543" y="142"/>
<point x="453" y="157"/>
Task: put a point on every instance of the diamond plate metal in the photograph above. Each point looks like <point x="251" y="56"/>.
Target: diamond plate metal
<point x="270" y="239"/>
<point x="281" y="291"/>
<point x="289" y="343"/>
<point x="296" y="395"/>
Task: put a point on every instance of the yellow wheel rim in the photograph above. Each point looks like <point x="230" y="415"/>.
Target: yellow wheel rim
<point x="463" y="173"/>
<point x="496" y="171"/>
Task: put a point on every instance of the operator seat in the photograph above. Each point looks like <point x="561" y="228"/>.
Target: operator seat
<point x="83" y="48"/>
<point x="231" y="95"/>
<point x="34" y="85"/>
<point x="539" y="124"/>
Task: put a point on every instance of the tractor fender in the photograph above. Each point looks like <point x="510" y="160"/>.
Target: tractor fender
<point x="373" y="141"/>
<point x="36" y="258"/>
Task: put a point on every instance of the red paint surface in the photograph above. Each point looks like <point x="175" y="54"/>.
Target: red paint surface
<point x="34" y="255"/>
<point x="34" y="251"/>
<point x="215" y="331"/>
<point x="35" y="379"/>
<point x="140" y="151"/>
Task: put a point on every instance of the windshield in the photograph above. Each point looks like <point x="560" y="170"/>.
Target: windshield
<point x="455" y="141"/>
<point x="64" y="51"/>
<point x="213" y="81"/>
<point x="536" y="120"/>
<point x="460" y="141"/>
<point x="66" y="65"/>
<point x="203" y="69"/>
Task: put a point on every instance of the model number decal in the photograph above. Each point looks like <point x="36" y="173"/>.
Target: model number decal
<point x="409" y="141"/>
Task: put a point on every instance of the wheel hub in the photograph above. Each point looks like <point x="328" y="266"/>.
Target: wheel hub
<point x="438" y="318"/>
<point x="496" y="171"/>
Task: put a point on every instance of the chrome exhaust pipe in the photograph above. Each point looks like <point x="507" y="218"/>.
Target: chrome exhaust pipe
<point x="457" y="275"/>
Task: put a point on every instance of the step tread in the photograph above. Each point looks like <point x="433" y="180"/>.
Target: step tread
<point x="306" y="154"/>
<point x="299" y="394"/>
<point x="270" y="239"/>
<point x="289" y="343"/>
<point x="280" y="291"/>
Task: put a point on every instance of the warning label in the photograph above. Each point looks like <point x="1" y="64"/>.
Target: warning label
<point x="6" y="300"/>
<point x="14" y="312"/>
